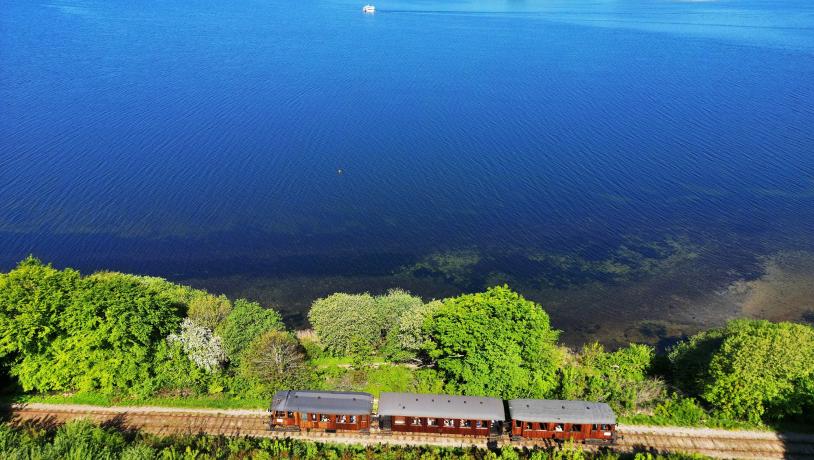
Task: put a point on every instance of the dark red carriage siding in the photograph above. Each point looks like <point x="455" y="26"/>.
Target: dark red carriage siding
<point x="321" y="410"/>
<point x="555" y="419"/>
<point x="441" y="414"/>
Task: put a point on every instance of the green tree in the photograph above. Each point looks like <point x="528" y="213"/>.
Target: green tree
<point x="175" y="372"/>
<point x="109" y="332"/>
<point x="32" y="298"/>
<point x="340" y="319"/>
<point x="690" y="360"/>
<point x="246" y="321"/>
<point x="619" y="378"/>
<point x="277" y="361"/>
<point x="753" y="370"/>
<point x="411" y="332"/>
<point x="208" y="311"/>
<point x="495" y="343"/>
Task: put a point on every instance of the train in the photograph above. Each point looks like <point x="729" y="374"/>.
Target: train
<point x="439" y="414"/>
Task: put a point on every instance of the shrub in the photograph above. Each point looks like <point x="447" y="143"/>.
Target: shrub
<point x="209" y="311"/>
<point x="175" y="371"/>
<point x="342" y="320"/>
<point x="245" y="322"/>
<point x="681" y="411"/>
<point x="751" y="370"/>
<point x="33" y="297"/>
<point x="101" y="337"/>
<point x="619" y="378"/>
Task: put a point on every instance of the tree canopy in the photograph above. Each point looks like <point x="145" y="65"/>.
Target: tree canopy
<point x="344" y="322"/>
<point x="246" y="321"/>
<point x="494" y="343"/>
<point x="750" y="369"/>
<point x="132" y="335"/>
<point x="208" y="311"/>
<point x="618" y="377"/>
<point x="411" y="333"/>
<point x="96" y="332"/>
<point x="277" y="361"/>
<point x="32" y="297"/>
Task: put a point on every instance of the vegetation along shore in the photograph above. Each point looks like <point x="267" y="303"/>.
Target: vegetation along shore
<point x="112" y="338"/>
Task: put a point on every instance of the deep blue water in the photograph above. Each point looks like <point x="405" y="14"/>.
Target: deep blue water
<point x="437" y="145"/>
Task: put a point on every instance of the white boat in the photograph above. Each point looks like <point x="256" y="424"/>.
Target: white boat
<point x="369" y="9"/>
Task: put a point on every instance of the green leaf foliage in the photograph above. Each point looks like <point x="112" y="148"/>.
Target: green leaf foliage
<point x="107" y="337"/>
<point x="751" y="370"/>
<point x="494" y="343"/>
<point x="175" y="373"/>
<point x="690" y="360"/>
<point x="208" y="311"/>
<point x="339" y="318"/>
<point x="61" y="331"/>
<point x="32" y="297"/>
<point x="342" y="320"/>
<point x="411" y="333"/>
<point x="619" y="378"/>
<point x="246" y="321"/>
<point x="276" y="361"/>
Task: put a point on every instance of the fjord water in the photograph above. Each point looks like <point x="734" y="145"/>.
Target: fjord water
<point x="640" y="167"/>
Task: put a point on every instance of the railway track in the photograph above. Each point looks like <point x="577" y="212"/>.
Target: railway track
<point x="169" y="421"/>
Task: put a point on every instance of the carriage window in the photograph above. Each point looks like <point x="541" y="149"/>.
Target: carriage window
<point x="518" y="424"/>
<point x="481" y="424"/>
<point x="415" y="421"/>
<point x="290" y="414"/>
<point x="432" y="422"/>
<point x="448" y="422"/>
<point x="398" y="420"/>
<point x="323" y="418"/>
<point x="558" y="427"/>
<point x="467" y="424"/>
<point x="606" y="427"/>
<point x="529" y="426"/>
<point x="314" y="417"/>
<point x="353" y="419"/>
<point x="576" y="427"/>
<point x="343" y="419"/>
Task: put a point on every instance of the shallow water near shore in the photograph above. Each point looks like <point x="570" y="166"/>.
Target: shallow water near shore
<point x="643" y="169"/>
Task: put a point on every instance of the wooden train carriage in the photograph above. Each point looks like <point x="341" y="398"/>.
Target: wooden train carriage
<point x="441" y="414"/>
<point x="321" y="410"/>
<point x="555" y="419"/>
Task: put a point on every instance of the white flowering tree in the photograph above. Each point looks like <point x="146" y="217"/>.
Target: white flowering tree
<point x="201" y="346"/>
<point x="411" y="324"/>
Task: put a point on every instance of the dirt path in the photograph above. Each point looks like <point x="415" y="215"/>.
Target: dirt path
<point x="166" y="421"/>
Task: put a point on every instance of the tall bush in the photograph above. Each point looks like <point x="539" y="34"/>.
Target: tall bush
<point x="752" y="370"/>
<point x="342" y="321"/>
<point x="494" y="343"/>
<point x="201" y="346"/>
<point x="246" y="321"/>
<point x="619" y="378"/>
<point x="102" y="336"/>
<point x="208" y="311"/>
<point x="33" y="297"/>
<point x="277" y="361"/>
